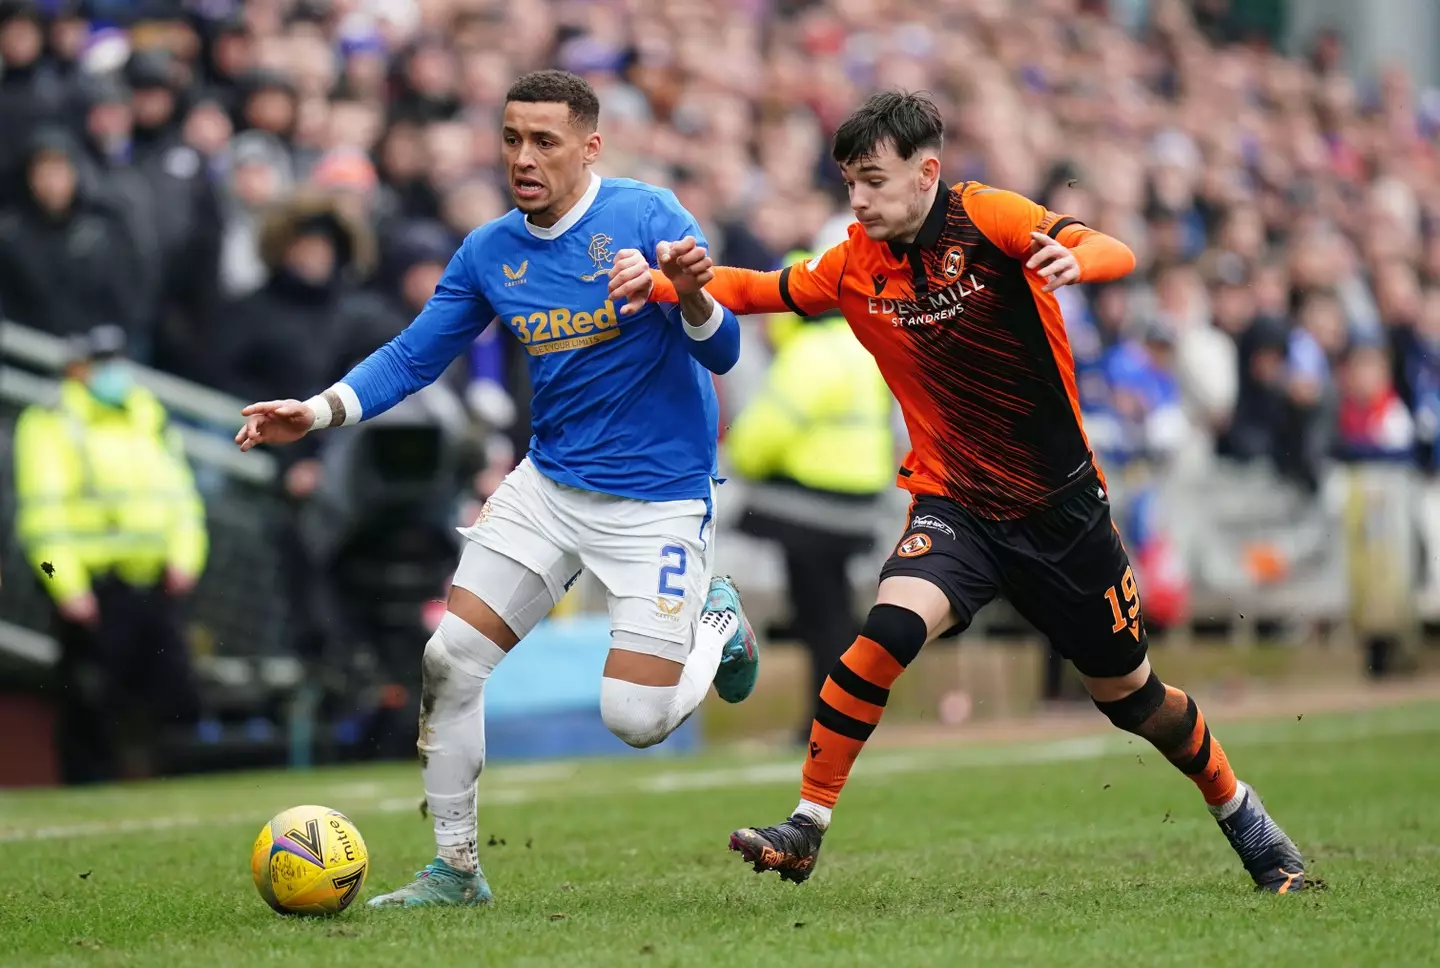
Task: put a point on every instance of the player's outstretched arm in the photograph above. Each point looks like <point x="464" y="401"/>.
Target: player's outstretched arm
<point x="713" y="331"/>
<point x="743" y="291"/>
<point x="1078" y="254"/>
<point x="456" y="314"/>
<point x="1059" y="249"/>
<point x="805" y="288"/>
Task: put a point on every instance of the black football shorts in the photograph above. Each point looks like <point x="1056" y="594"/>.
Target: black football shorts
<point x="1064" y="569"/>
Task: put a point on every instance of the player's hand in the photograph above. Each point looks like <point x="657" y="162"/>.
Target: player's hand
<point x="630" y="280"/>
<point x="1053" y="261"/>
<point x="274" y="422"/>
<point x="686" y="264"/>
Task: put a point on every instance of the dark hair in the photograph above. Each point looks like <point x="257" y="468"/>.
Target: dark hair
<point x="908" y="121"/>
<point x="559" y="87"/>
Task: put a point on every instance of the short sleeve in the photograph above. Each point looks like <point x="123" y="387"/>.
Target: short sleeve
<point x="1007" y="219"/>
<point x="813" y="287"/>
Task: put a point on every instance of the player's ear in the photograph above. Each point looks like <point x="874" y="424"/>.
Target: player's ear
<point x="929" y="172"/>
<point x="592" y="147"/>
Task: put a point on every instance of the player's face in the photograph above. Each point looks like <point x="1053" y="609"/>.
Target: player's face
<point x="547" y="159"/>
<point x="888" y="193"/>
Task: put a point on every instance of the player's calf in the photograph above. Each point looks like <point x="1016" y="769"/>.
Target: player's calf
<point x="1174" y="725"/>
<point x="457" y="662"/>
<point x="851" y="703"/>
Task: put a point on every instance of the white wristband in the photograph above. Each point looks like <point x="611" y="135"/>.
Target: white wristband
<point x="336" y="407"/>
<point x="708" y="328"/>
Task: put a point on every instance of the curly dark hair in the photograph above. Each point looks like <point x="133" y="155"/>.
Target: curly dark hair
<point x="909" y="121"/>
<point x="559" y="87"/>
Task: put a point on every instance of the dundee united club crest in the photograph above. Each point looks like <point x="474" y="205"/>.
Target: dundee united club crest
<point x="914" y="546"/>
<point x="954" y="262"/>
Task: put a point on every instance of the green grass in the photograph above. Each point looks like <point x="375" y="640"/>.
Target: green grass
<point x="1089" y="851"/>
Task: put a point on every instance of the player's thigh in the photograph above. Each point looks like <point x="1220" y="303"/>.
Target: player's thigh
<point x="1067" y="572"/>
<point x="516" y="541"/>
<point x="942" y="568"/>
<point x="502" y="598"/>
<point x="654" y="559"/>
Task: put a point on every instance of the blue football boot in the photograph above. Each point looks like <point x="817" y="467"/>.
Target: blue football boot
<point x="439" y="885"/>
<point x="740" y="659"/>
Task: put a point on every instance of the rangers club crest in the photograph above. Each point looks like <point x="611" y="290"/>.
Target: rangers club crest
<point x="600" y="254"/>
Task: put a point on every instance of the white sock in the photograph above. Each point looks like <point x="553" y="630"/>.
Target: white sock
<point x="1223" y="811"/>
<point x="816" y="812"/>
<point x="458" y="660"/>
<point x="711" y="633"/>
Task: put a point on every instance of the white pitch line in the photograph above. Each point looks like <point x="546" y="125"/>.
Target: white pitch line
<point x="761" y="774"/>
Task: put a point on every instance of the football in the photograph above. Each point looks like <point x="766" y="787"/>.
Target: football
<point x="309" y="860"/>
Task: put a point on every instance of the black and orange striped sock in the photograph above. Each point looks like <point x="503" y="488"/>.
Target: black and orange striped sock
<point x="1200" y="755"/>
<point x="1174" y="725"/>
<point x="854" y="696"/>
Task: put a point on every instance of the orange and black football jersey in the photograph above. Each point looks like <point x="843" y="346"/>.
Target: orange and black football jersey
<point x="972" y="347"/>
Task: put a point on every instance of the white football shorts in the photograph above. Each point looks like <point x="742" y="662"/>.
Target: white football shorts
<point x="653" y="557"/>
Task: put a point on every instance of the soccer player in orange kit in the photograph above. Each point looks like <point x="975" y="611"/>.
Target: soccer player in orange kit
<point x="951" y="289"/>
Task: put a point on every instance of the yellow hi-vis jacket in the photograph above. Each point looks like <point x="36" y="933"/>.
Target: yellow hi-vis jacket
<point x="102" y="490"/>
<point x="822" y="418"/>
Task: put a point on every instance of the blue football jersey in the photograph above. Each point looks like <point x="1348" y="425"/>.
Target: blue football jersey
<point x="622" y="404"/>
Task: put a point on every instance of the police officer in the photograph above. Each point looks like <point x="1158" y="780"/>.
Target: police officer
<point x="110" y="519"/>
<point x="816" y="442"/>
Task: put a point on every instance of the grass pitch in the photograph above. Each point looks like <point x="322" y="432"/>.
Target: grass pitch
<point x="1086" y="851"/>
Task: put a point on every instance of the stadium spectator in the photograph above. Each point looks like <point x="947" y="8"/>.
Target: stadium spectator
<point x="314" y="254"/>
<point x="1418" y="356"/>
<point x="1374" y="424"/>
<point x="67" y="262"/>
<point x="109" y="172"/>
<point x="259" y="176"/>
<point x="295" y="330"/>
<point x="115" y="530"/>
<point x="30" y="95"/>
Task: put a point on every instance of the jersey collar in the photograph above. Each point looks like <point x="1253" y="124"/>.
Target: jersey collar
<point x="576" y="213"/>
<point x="934" y="224"/>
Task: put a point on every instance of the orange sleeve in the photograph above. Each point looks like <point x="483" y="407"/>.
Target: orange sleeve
<point x="742" y="291"/>
<point x="1007" y="219"/>
<point x="1102" y="258"/>
<point x="805" y="288"/>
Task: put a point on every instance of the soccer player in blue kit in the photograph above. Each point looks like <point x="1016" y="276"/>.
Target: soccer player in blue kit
<point x="621" y="472"/>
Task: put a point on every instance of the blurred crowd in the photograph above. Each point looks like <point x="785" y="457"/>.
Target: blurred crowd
<point x="217" y="177"/>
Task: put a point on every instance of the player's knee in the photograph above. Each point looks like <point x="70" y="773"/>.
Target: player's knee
<point x="1133" y="711"/>
<point x="897" y="630"/>
<point x="457" y="661"/>
<point x="640" y="715"/>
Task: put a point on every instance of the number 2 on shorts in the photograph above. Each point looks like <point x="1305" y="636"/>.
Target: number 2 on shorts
<point x="673" y="558"/>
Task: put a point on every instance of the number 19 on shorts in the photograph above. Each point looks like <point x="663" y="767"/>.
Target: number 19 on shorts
<point x="1130" y="617"/>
